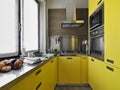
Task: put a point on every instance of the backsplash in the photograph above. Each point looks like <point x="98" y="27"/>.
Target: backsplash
<point x="56" y="16"/>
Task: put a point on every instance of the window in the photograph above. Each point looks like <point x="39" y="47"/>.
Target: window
<point x="30" y="25"/>
<point x="8" y="28"/>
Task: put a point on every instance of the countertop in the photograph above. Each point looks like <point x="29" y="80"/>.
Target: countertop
<point x="9" y="79"/>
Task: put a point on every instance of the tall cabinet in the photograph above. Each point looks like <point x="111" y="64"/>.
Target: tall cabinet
<point x="104" y="75"/>
<point x="112" y="32"/>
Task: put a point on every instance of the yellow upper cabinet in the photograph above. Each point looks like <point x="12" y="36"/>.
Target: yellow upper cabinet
<point x="93" y="5"/>
<point x="112" y="32"/>
<point x="69" y="70"/>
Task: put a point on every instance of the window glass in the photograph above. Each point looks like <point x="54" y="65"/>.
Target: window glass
<point x="30" y="25"/>
<point x="8" y="28"/>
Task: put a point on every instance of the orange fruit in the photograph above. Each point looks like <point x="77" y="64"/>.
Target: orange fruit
<point x="1" y="65"/>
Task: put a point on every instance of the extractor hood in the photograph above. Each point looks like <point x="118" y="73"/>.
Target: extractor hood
<point x="70" y="21"/>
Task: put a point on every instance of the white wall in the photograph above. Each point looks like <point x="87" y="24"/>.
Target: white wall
<point x="63" y="3"/>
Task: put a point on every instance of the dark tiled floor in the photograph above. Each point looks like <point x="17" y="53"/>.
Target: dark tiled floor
<point x="73" y="88"/>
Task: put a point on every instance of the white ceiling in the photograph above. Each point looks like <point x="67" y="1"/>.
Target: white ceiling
<point x="64" y="3"/>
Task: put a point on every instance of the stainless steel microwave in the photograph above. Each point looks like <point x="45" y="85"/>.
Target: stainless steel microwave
<point x="97" y="18"/>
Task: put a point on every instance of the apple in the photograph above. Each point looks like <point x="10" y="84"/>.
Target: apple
<point x="5" y="61"/>
<point x="9" y="63"/>
<point x="18" y="64"/>
<point x="6" y="69"/>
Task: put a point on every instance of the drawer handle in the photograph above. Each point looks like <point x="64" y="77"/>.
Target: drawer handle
<point x="38" y="86"/>
<point x="92" y="60"/>
<point x="52" y="61"/>
<point x="69" y="58"/>
<point x="99" y="2"/>
<point x="38" y="72"/>
<point x="109" y="68"/>
<point x="110" y="61"/>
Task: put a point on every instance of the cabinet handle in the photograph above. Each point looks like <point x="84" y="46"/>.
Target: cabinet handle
<point x="69" y="58"/>
<point x="92" y="60"/>
<point x="109" y="68"/>
<point x="38" y="86"/>
<point x="52" y="61"/>
<point x="99" y="2"/>
<point x="38" y="72"/>
<point x="110" y="61"/>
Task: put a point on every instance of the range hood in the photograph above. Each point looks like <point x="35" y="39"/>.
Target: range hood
<point x="70" y="21"/>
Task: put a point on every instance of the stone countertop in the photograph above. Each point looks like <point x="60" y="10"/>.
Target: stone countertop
<point x="9" y="79"/>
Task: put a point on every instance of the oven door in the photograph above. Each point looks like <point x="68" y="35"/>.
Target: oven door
<point x="97" y="47"/>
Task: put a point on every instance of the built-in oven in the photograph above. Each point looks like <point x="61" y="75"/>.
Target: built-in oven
<point x="97" y="43"/>
<point x="97" y="18"/>
<point x="97" y="34"/>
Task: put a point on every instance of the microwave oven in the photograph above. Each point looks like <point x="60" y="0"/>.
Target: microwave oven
<point x="97" y="18"/>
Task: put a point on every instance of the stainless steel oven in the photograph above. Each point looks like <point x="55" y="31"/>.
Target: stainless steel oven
<point x="97" y="43"/>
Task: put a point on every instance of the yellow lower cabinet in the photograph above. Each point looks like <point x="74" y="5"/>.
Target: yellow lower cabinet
<point x="112" y="78"/>
<point x="97" y="74"/>
<point x="91" y="78"/>
<point x="69" y="70"/>
<point x="24" y="84"/>
<point x="53" y="73"/>
<point x="39" y="78"/>
<point x="84" y="69"/>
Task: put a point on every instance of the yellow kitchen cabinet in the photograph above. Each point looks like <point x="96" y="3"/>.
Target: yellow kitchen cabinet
<point x="93" y="5"/>
<point x="112" y="75"/>
<point x="97" y="74"/>
<point x="91" y="74"/>
<point x="69" y="70"/>
<point x="37" y="80"/>
<point x="24" y="84"/>
<point x="53" y="73"/>
<point x="112" y="32"/>
<point x="42" y="78"/>
<point x="84" y="69"/>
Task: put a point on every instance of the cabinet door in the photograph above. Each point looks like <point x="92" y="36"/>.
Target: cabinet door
<point x="91" y="78"/>
<point x="93" y="5"/>
<point x="53" y="73"/>
<point x="112" y="78"/>
<point x="69" y="70"/>
<point x="97" y="74"/>
<point x="112" y="32"/>
<point x="24" y="84"/>
<point x="42" y="78"/>
<point x="84" y="69"/>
